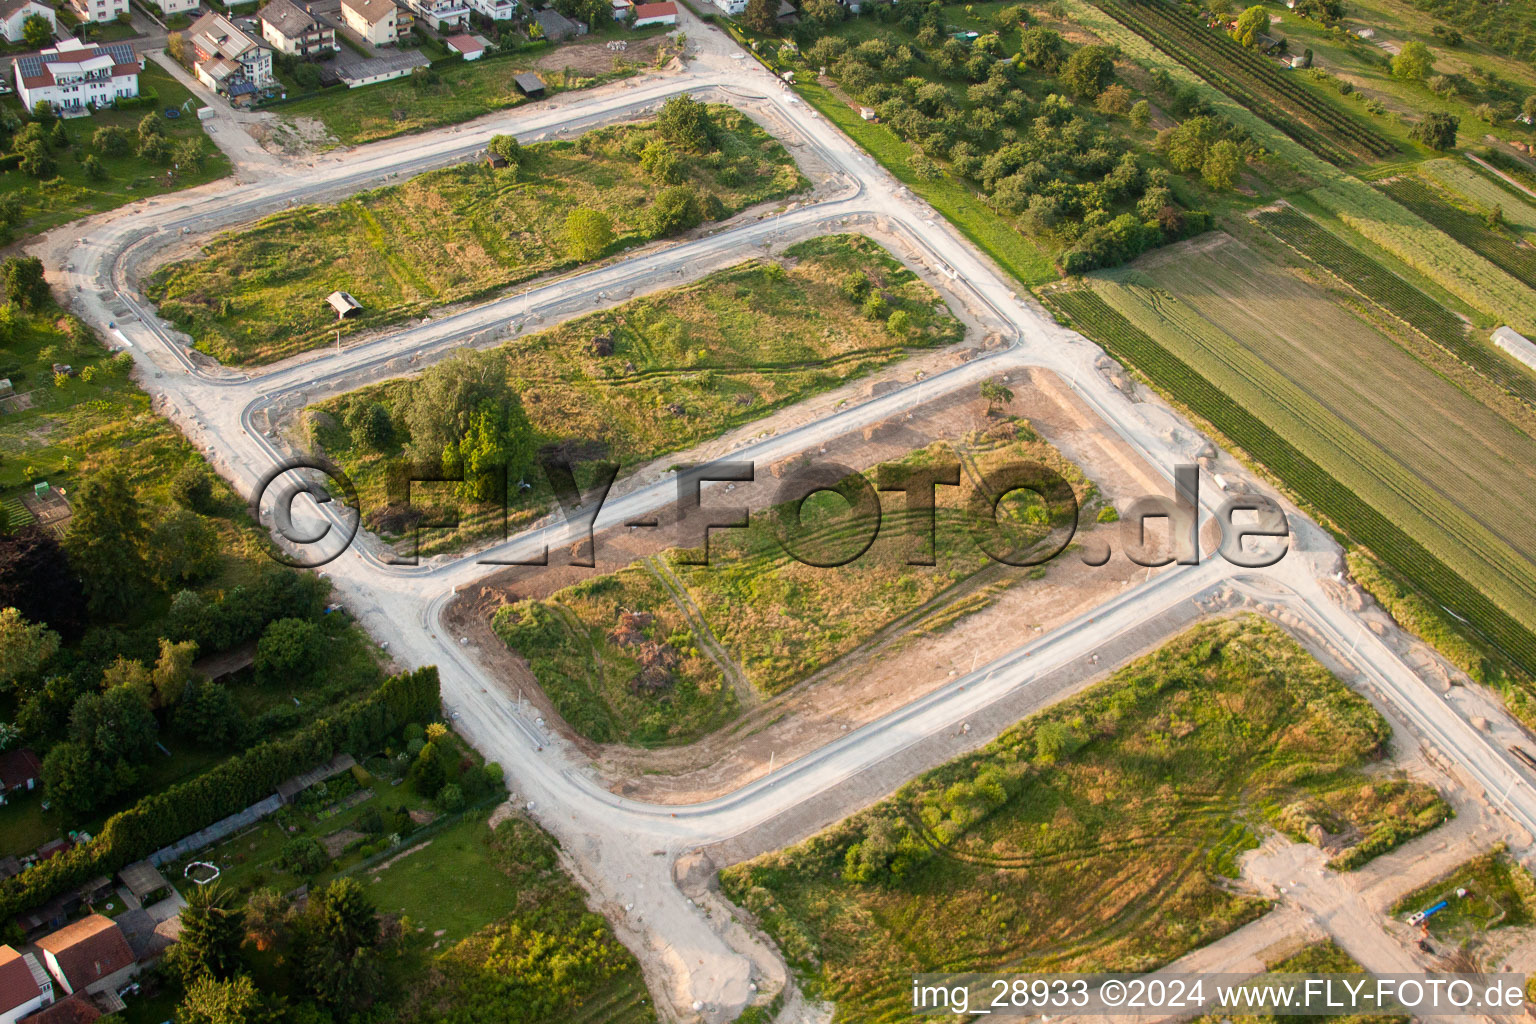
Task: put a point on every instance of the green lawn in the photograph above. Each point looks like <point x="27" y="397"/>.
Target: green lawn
<point x="448" y="236"/>
<point x="73" y="193"/>
<point x="460" y="93"/>
<point x="687" y="364"/>
<point x="1092" y="836"/>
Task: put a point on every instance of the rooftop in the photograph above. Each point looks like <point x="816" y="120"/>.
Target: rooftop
<point x="16" y="983"/>
<point x="287" y="17"/>
<point x="370" y="11"/>
<point x="88" y="950"/>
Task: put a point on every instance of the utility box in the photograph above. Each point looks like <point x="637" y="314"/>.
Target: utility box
<point x="205" y="113"/>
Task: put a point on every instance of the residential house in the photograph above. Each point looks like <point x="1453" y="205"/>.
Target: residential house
<point x="89" y="955"/>
<point x="556" y="26"/>
<point x="228" y="59"/>
<point x="14" y="14"/>
<point x="294" y="29"/>
<point x="99" y="10"/>
<point x="664" y="13"/>
<point x="440" y="14"/>
<point x="376" y="21"/>
<point x="466" y="45"/>
<point x="496" y="10"/>
<point x="170" y="7"/>
<point x="73" y="1010"/>
<point x="732" y="7"/>
<point x="20" y="990"/>
<point x="20" y="770"/>
<point x="76" y="78"/>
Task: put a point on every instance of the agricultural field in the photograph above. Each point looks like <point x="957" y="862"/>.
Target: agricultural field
<point x="1506" y="249"/>
<point x="1500" y="893"/>
<point x="72" y="192"/>
<point x="258" y="294"/>
<point x="1100" y="834"/>
<point x="672" y="370"/>
<point x="1273" y="343"/>
<point x="1396" y="297"/>
<point x="1255" y="81"/>
<point x="665" y="651"/>
<point x="1484" y="193"/>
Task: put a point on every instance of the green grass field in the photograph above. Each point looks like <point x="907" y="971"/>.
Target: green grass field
<point x="461" y="93"/>
<point x="1285" y="351"/>
<point x="73" y="193"/>
<point x="755" y="621"/>
<point x="448" y="236"/>
<point x="687" y="364"/>
<point x="1092" y="836"/>
<point x="1500" y="894"/>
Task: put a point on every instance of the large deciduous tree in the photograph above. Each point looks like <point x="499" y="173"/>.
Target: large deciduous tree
<point x="104" y="542"/>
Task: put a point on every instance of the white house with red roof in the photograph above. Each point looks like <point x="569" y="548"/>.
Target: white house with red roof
<point x="14" y="14"/>
<point x="664" y="13"/>
<point x="467" y="45"/>
<point x="21" y="990"/>
<point x="76" y="77"/>
<point x="89" y="955"/>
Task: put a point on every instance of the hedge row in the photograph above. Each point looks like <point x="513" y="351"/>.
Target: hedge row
<point x="163" y="818"/>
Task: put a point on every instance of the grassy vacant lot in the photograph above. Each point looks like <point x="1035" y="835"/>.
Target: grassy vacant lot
<point x="1090" y="836"/>
<point x="686" y="364"/>
<point x="462" y="92"/>
<point x="1320" y="958"/>
<point x="72" y="193"/>
<point x="1291" y="355"/>
<point x="1500" y="894"/>
<point x="663" y="652"/>
<point x="259" y="294"/>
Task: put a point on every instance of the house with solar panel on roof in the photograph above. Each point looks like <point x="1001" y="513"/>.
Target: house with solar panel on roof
<point x="77" y="78"/>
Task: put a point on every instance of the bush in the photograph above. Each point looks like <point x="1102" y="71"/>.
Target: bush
<point x="303" y="856"/>
<point x="676" y="209"/>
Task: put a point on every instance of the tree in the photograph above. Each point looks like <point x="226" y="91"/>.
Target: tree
<point x="899" y="324"/>
<point x="36" y="577"/>
<point x="676" y="209"/>
<point x="266" y="917"/>
<point x="93" y="167"/>
<point x="1190" y="143"/>
<point x="35" y="161"/>
<point x="1141" y="114"/>
<point x="1088" y="70"/>
<point x="662" y="163"/>
<point x="192" y="488"/>
<point x="370" y="427"/>
<point x="111" y="141"/>
<point x="448" y="395"/>
<point x="1115" y="99"/>
<point x="1437" y="131"/>
<point x="172" y="671"/>
<point x="104" y="542"/>
<point x="762" y="15"/>
<point x="58" y="138"/>
<point x="155" y="149"/>
<point x="1251" y="24"/>
<point x="208" y="715"/>
<point x="25" y="647"/>
<point x="684" y="122"/>
<point x="36" y="32"/>
<point x="288" y="649"/>
<point x="1041" y="49"/>
<point x="428" y="773"/>
<point x="1528" y="109"/>
<point x="303" y="855"/>
<point x="505" y="146"/>
<point x="1222" y="165"/>
<point x="182" y="547"/>
<point x="822" y="12"/>
<point x="74" y="780"/>
<point x="338" y="962"/>
<point x="497" y="449"/>
<point x="995" y="393"/>
<point x="23" y="283"/>
<point x="212" y="929"/>
<point x="117" y="725"/>
<point x="150" y="127"/>
<point x="1413" y="62"/>
<point x="176" y="46"/>
<point x="236" y="1001"/>
<point x="588" y="233"/>
<point x="189" y="154"/>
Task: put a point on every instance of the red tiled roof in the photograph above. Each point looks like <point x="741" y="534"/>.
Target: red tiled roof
<point x="88" y="950"/>
<point x="16" y="984"/>
<point x="16" y="767"/>
<point x="643" y="11"/>
<point x="463" y="43"/>
<point x="75" y="1010"/>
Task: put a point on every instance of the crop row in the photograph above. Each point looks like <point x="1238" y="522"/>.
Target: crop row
<point x="1467" y="228"/>
<point x="1393" y="295"/>
<point x="1090" y="314"/>
<point x="1251" y="79"/>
